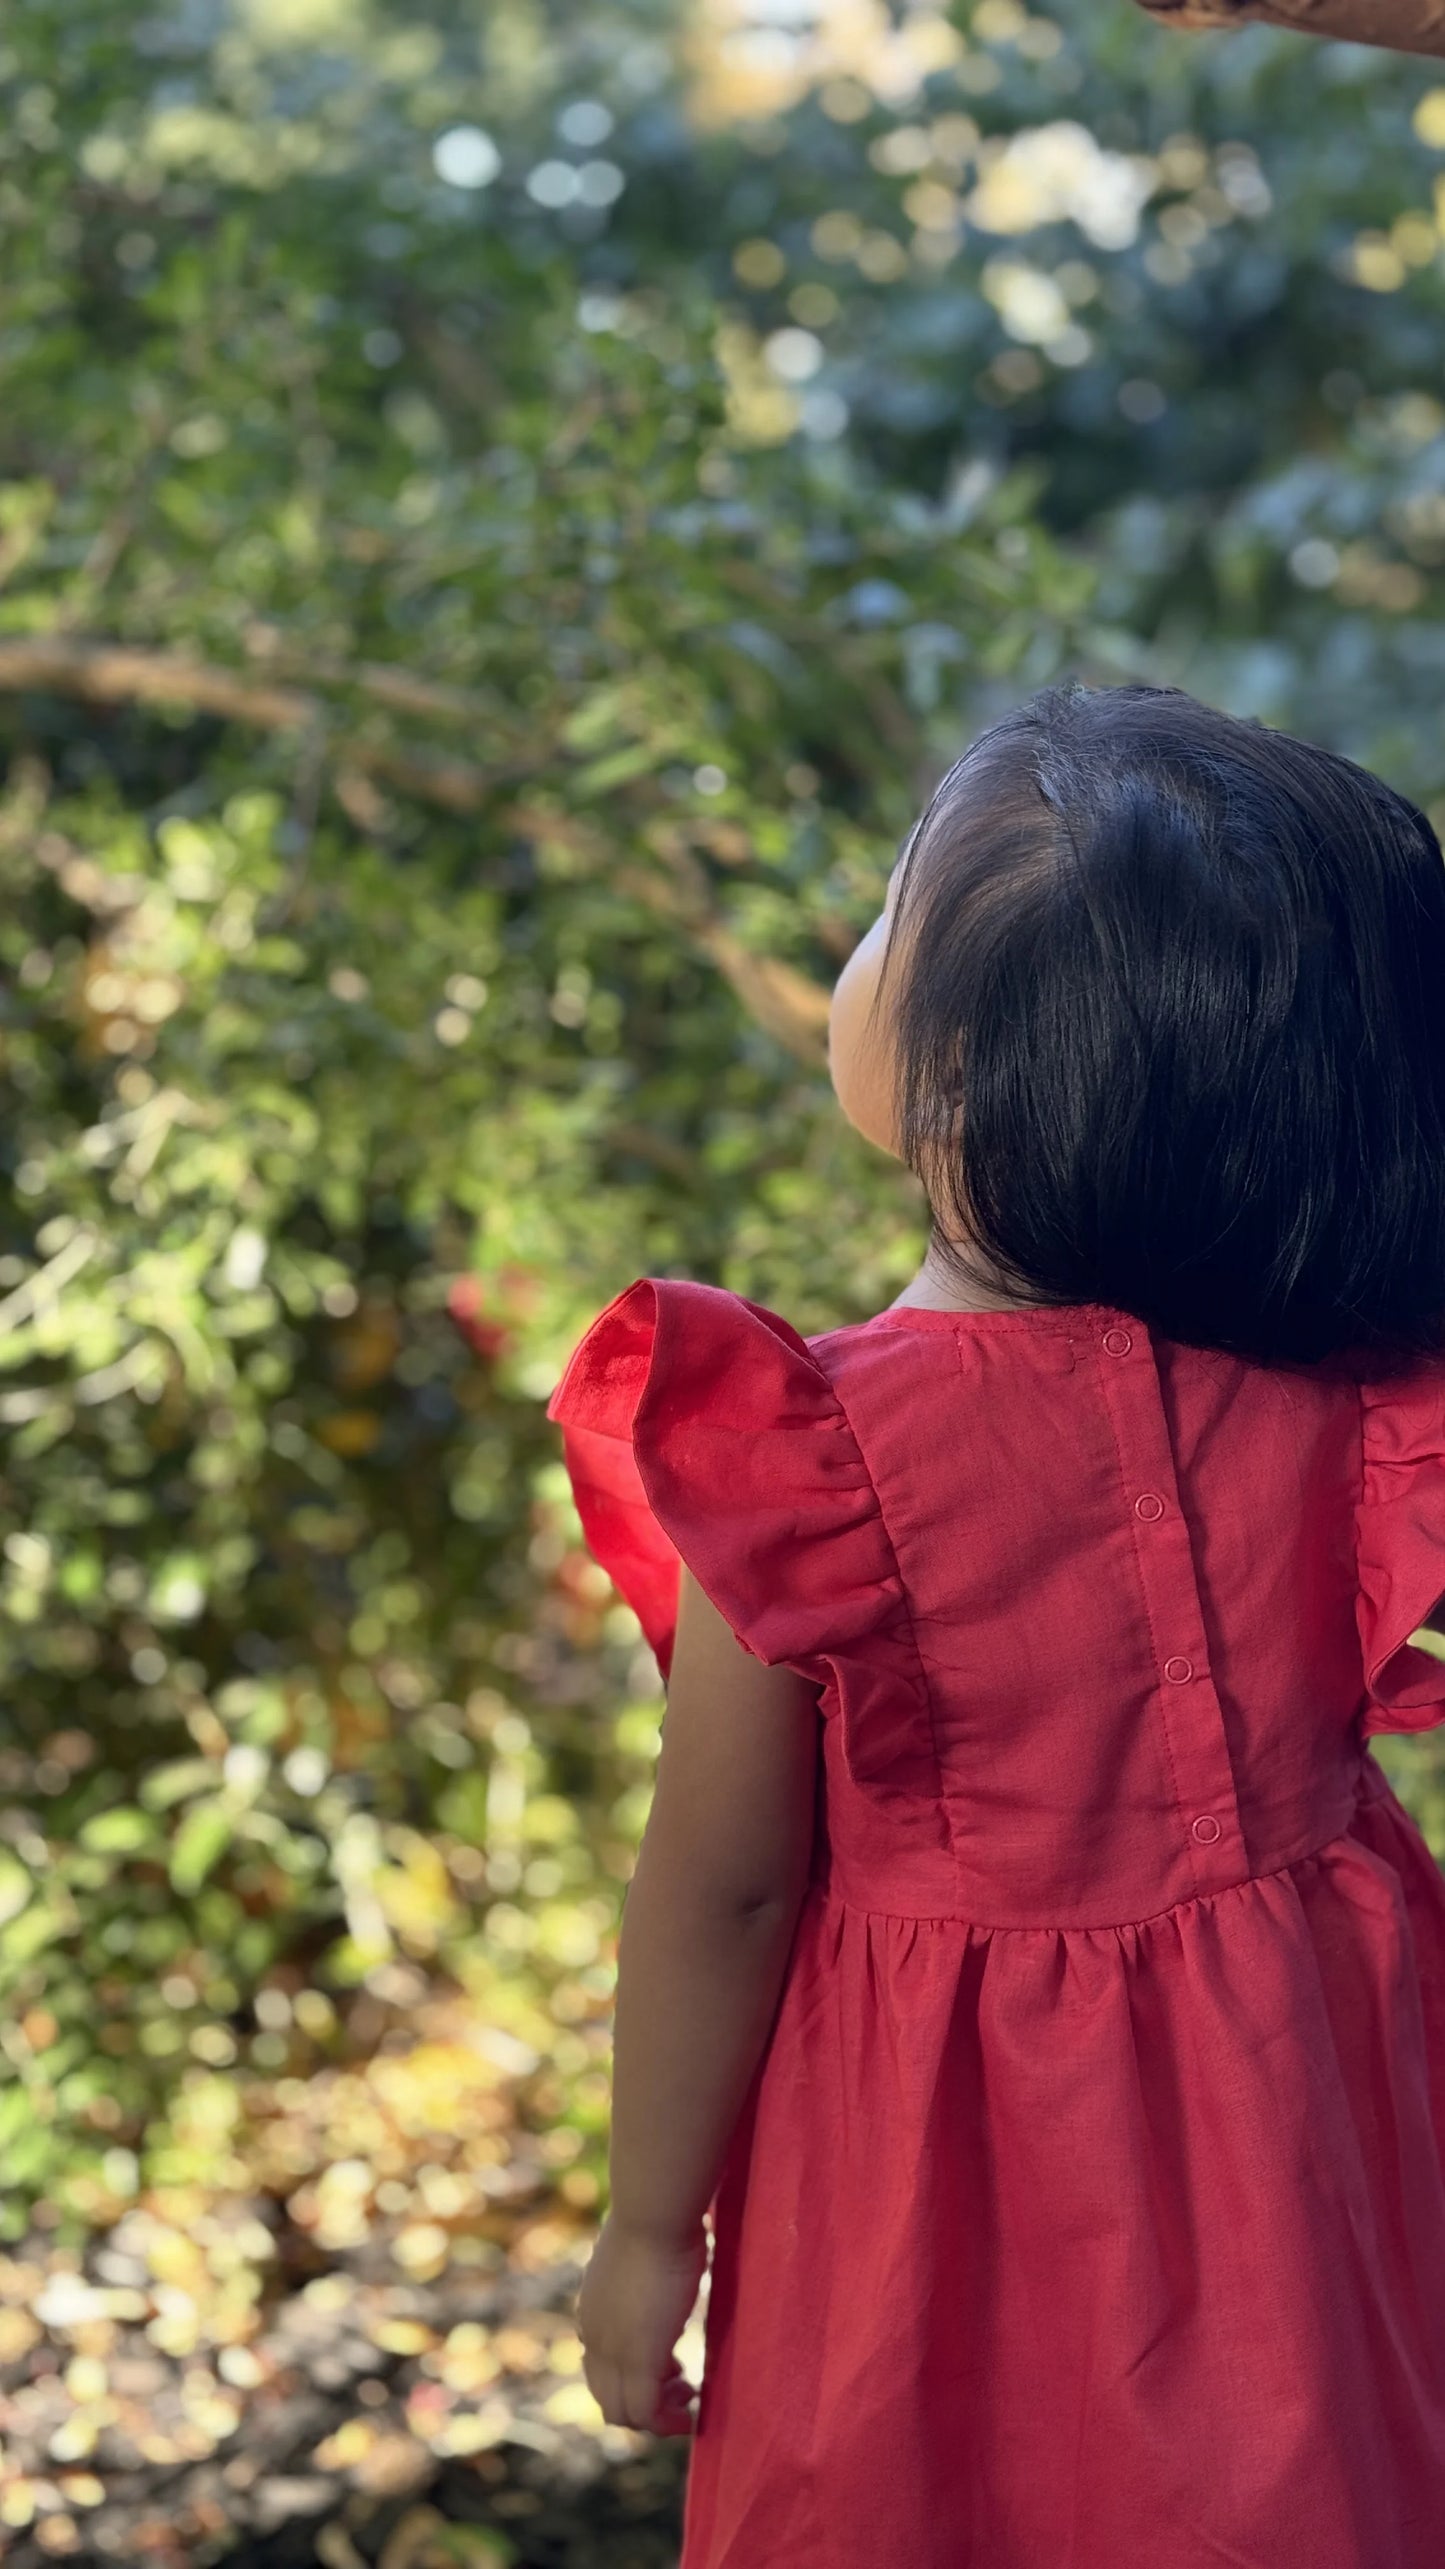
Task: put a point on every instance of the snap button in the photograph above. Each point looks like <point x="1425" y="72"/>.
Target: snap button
<point x="1178" y="1671"/>
<point x="1149" y="1507"/>
<point x="1206" y="1829"/>
<point x="1118" y="1341"/>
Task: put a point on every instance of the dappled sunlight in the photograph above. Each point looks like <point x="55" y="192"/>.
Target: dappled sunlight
<point x="1058" y="173"/>
<point x="504" y="517"/>
<point x="756" y="58"/>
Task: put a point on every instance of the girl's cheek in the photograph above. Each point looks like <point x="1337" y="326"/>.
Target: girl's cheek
<point x="857" y="1056"/>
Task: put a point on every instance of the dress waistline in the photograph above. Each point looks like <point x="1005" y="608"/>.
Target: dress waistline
<point x="1369" y="1784"/>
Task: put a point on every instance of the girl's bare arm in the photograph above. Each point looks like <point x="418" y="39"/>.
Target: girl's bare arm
<point x="709" y="1916"/>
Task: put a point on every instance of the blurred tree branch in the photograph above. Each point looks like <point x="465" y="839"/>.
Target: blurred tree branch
<point x="783" y="1000"/>
<point x="1403" y="26"/>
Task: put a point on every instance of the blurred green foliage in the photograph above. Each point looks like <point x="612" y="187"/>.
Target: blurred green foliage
<point x="501" y="521"/>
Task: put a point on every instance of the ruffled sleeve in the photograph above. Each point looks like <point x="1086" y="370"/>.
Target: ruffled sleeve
<point x="698" y="1427"/>
<point x="1401" y="1554"/>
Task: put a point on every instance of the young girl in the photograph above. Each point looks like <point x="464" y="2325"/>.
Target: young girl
<point x="1028" y="1965"/>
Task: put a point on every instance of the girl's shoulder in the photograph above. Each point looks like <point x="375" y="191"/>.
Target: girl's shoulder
<point x="699" y="1425"/>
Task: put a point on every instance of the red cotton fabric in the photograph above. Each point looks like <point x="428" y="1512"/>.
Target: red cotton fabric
<point x="1087" y="2210"/>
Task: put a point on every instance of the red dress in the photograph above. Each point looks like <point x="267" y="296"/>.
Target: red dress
<point x="1087" y="2210"/>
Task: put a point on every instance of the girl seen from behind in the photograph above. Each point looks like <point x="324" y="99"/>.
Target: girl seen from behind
<point x="1029" y="1975"/>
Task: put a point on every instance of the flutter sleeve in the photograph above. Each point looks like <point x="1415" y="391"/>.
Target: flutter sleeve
<point x="1401" y="1548"/>
<point x="699" y="1427"/>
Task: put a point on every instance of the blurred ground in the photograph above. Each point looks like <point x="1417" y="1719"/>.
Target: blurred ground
<point x="350" y="2344"/>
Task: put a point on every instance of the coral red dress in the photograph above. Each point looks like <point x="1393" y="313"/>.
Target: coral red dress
<point x="1088" y="2208"/>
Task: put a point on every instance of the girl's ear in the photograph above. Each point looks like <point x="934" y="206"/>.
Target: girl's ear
<point x="1402" y="26"/>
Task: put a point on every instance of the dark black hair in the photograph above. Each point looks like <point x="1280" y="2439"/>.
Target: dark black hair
<point x="1171" y="1028"/>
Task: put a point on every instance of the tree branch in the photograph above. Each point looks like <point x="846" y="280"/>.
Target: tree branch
<point x="115" y="673"/>
<point x="792" y="1008"/>
<point x="1404" y="26"/>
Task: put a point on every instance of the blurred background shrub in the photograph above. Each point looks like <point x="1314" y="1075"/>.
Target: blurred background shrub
<point x="504" y="513"/>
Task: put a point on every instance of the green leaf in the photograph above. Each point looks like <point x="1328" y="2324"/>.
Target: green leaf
<point x="597" y="717"/>
<point x="198" y="1846"/>
<point x="28" y="1934"/>
<point x="176" y="1782"/>
<point x="125" y="1831"/>
<point x="16" y="1886"/>
<point x="601" y="774"/>
<point x="474" y="2546"/>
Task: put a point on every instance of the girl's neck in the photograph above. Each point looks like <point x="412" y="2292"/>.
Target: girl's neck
<point x="937" y="1288"/>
